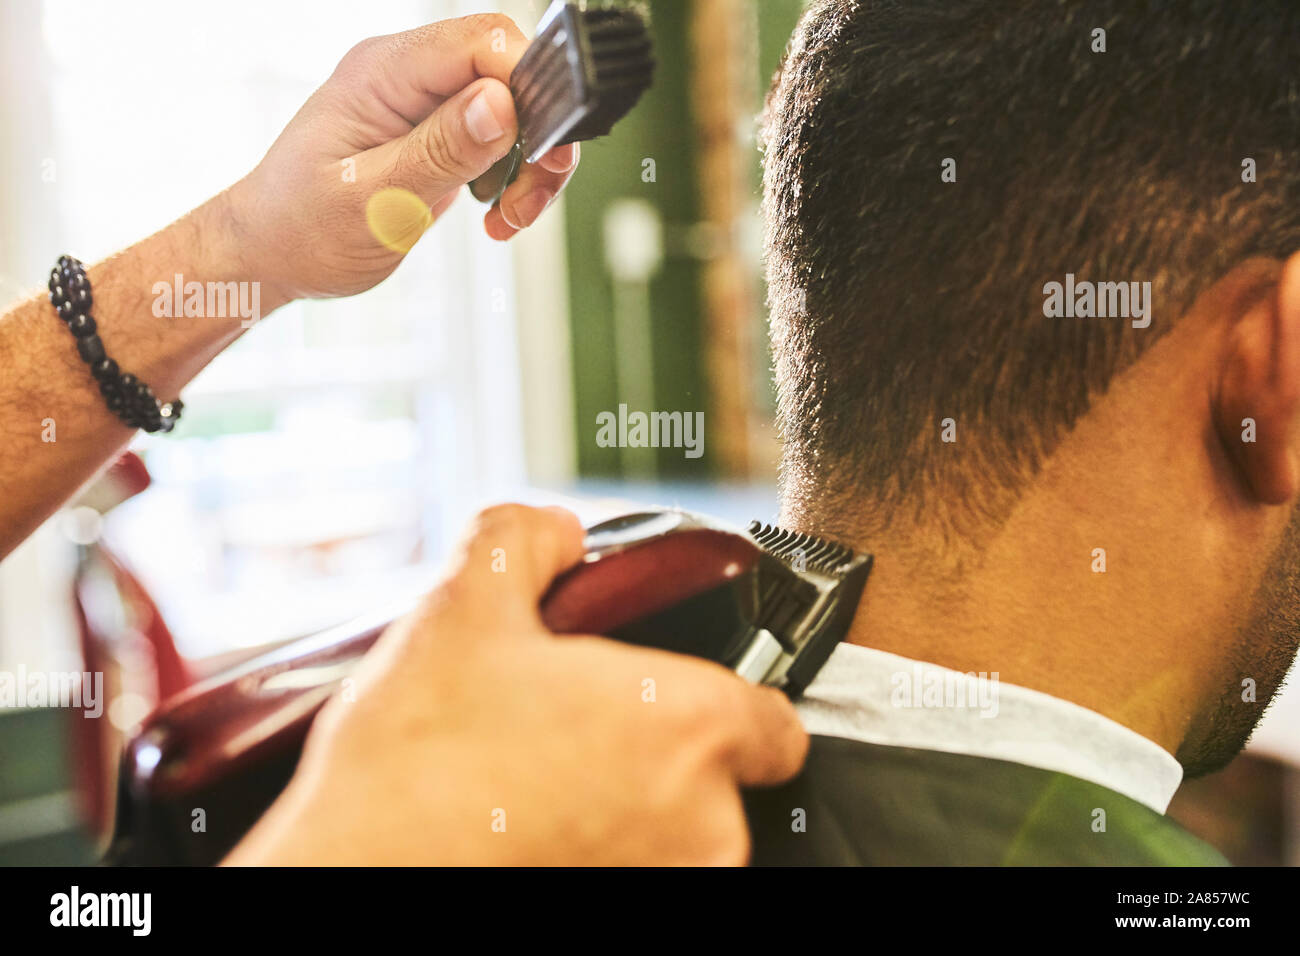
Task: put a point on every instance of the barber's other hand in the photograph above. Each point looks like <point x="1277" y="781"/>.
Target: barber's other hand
<point x="381" y="150"/>
<point x="476" y="736"/>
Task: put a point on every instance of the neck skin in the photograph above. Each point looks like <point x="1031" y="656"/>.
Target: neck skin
<point x="1141" y="475"/>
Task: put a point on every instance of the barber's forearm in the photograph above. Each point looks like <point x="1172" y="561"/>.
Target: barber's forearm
<point x="370" y="161"/>
<point x="47" y="391"/>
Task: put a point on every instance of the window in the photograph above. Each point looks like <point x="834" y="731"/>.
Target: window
<point x="325" y="457"/>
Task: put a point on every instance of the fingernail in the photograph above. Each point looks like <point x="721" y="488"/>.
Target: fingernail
<point x="562" y="158"/>
<point x="531" y="206"/>
<point x="481" y="121"/>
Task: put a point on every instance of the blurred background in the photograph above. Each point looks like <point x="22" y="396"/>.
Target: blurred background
<point x="325" y="461"/>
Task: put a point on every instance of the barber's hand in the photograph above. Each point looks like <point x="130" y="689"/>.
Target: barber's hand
<point x="381" y="150"/>
<point x="478" y="737"/>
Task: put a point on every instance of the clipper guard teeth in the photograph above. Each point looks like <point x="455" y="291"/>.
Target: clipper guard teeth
<point x="818" y="554"/>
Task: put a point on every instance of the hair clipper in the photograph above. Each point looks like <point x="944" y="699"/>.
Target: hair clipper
<point x="769" y="604"/>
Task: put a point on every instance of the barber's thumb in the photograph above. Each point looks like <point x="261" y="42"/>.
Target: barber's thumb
<point x="507" y="560"/>
<point x="458" y="142"/>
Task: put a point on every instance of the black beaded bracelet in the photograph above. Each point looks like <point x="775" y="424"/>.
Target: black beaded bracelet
<point x="128" y="398"/>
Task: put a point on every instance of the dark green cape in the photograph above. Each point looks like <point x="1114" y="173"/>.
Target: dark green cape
<point x="866" y="804"/>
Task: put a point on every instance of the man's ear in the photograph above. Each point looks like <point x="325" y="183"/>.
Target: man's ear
<point x="1257" y="402"/>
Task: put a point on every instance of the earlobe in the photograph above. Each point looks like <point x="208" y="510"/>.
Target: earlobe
<point x="1257" y="403"/>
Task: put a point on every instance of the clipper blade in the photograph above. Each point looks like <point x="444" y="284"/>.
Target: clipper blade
<point x="806" y="602"/>
<point x="800" y="548"/>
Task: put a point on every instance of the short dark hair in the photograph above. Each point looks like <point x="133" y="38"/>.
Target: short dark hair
<point x="898" y="300"/>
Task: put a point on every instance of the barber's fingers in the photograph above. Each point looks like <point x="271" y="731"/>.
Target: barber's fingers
<point x="413" y="72"/>
<point x="531" y="192"/>
<point x="458" y="142"/>
<point x="766" y="742"/>
<point x="451" y="79"/>
<point x="560" y="159"/>
<point x="504" y="565"/>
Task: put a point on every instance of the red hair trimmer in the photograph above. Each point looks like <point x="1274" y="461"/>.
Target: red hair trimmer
<point x="768" y="603"/>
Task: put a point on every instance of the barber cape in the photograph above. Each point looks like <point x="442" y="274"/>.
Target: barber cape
<point x="914" y="764"/>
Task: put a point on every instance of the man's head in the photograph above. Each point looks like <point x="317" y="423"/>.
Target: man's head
<point x="931" y="168"/>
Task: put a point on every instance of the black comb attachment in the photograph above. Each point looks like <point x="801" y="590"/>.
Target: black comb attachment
<point x="795" y="547"/>
<point x="583" y="72"/>
<point x="620" y="66"/>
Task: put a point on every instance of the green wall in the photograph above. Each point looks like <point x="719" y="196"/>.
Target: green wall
<point x="660" y="128"/>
